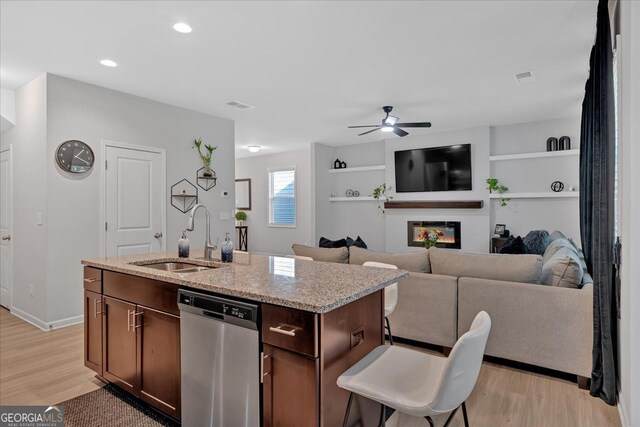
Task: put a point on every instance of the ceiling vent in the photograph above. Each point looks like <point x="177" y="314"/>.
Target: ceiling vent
<point x="239" y="105"/>
<point x="523" y="78"/>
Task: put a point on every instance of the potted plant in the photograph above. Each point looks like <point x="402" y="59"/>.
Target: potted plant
<point x="380" y="195"/>
<point x="206" y="158"/>
<point x="494" y="186"/>
<point x="241" y="217"/>
<point x="430" y="237"/>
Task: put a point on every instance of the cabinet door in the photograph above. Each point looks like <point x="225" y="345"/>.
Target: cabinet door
<point x="119" y="344"/>
<point x="290" y="389"/>
<point x="159" y="359"/>
<point x="93" y="331"/>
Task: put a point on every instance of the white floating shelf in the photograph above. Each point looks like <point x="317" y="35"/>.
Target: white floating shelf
<point x="359" y="169"/>
<point x="540" y="155"/>
<point x="541" y="195"/>
<point x="351" y="199"/>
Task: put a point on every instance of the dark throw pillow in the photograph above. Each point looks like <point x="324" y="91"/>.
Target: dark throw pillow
<point x="537" y="241"/>
<point x="514" y="246"/>
<point x="327" y="243"/>
<point x="358" y="242"/>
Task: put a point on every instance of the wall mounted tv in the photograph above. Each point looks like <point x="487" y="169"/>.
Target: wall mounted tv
<point x="434" y="169"/>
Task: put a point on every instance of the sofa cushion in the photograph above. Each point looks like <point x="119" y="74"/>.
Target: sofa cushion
<point x="563" y="269"/>
<point x="411" y="261"/>
<point x="514" y="246"/>
<point x="555" y="246"/>
<point x="555" y="235"/>
<point x="537" y="241"/>
<point x="328" y="243"/>
<point x="322" y="254"/>
<point x="511" y="268"/>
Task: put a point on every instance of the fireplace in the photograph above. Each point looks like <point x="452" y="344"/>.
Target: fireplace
<point x="451" y="230"/>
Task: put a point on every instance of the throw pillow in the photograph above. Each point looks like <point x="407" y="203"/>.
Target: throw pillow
<point x="514" y="246"/>
<point x="537" y="241"/>
<point x="562" y="269"/>
<point x="410" y="261"/>
<point x="555" y="235"/>
<point x="322" y="254"/>
<point x="358" y="242"/>
<point x="327" y="243"/>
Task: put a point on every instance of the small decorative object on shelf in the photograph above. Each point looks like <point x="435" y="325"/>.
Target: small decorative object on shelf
<point x="337" y="164"/>
<point x="356" y="193"/>
<point x="380" y="195"/>
<point x="343" y="165"/>
<point x="571" y="188"/>
<point x="431" y="237"/>
<point x="500" y="229"/>
<point x="564" y="143"/>
<point x="557" y="186"/>
<point x="349" y="193"/>
<point x="494" y="186"/>
<point x="206" y="182"/>
<point x="206" y="158"/>
<point x="184" y="195"/>
<point x="552" y="144"/>
<point x="333" y="195"/>
<point x="241" y="217"/>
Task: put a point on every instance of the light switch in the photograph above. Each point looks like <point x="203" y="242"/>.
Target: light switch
<point x="39" y="220"/>
<point x="224" y="194"/>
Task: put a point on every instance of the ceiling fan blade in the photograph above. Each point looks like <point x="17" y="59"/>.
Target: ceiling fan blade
<point x="399" y="131"/>
<point x="414" y="125"/>
<point x="364" y="126"/>
<point x="369" y="131"/>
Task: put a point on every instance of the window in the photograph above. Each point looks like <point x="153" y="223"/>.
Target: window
<point x="282" y="197"/>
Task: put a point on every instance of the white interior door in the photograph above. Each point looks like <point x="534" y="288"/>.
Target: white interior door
<point x="6" y="206"/>
<point x="134" y="203"/>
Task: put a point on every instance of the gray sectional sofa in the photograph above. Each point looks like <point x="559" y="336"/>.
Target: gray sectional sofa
<point x="543" y="325"/>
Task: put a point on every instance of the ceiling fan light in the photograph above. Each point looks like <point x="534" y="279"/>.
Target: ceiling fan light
<point x="391" y="120"/>
<point x="386" y="128"/>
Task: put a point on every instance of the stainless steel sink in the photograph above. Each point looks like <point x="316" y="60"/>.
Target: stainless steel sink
<point x="176" y="267"/>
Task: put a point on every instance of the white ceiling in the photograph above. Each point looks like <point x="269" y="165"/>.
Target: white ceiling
<point x="313" y="68"/>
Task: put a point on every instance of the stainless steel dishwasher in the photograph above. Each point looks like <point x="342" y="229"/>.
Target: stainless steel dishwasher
<point x="219" y="350"/>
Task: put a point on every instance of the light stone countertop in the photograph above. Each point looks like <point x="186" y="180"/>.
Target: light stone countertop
<point x="305" y="285"/>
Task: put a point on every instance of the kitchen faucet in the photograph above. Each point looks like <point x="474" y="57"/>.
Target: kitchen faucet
<point x="208" y="247"/>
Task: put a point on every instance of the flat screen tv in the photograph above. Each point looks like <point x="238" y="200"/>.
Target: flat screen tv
<point x="434" y="169"/>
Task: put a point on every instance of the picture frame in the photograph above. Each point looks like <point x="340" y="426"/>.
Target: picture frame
<point x="500" y="229"/>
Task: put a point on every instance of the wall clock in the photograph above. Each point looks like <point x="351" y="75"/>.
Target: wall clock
<point x="75" y="156"/>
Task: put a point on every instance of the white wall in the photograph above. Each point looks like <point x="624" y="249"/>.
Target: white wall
<point x="7" y="108"/>
<point x="337" y="220"/>
<point x="29" y="142"/>
<point x="629" y="63"/>
<point x="475" y="231"/>
<point x="76" y="110"/>
<point x="276" y="240"/>
<point x="536" y="175"/>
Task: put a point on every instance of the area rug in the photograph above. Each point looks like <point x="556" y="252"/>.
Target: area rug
<point x="112" y="407"/>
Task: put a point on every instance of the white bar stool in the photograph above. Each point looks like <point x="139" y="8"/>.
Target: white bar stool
<point x="390" y="296"/>
<point x="420" y="384"/>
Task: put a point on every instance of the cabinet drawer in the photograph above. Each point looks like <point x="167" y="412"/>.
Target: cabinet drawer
<point x="155" y="294"/>
<point x="291" y="329"/>
<point x="93" y="279"/>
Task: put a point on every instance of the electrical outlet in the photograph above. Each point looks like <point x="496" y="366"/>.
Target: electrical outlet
<point x="31" y="289"/>
<point x="224" y="194"/>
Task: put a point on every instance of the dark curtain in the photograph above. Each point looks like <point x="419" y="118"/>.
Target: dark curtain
<point x="597" y="174"/>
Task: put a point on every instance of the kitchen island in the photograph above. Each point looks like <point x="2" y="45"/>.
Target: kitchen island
<point x="314" y="321"/>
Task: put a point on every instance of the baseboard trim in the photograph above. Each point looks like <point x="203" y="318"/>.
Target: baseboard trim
<point x="622" y="411"/>
<point x="46" y="326"/>
<point x="38" y="323"/>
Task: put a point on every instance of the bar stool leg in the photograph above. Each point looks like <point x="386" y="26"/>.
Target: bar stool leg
<point x="346" y="415"/>
<point x="388" y="326"/>
<point x="464" y="414"/>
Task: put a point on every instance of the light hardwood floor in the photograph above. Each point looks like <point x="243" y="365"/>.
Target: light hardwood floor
<point x="42" y="368"/>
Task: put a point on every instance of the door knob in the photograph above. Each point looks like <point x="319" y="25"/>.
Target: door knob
<point x="157" y="235"/>
<point x="7" y="237"/>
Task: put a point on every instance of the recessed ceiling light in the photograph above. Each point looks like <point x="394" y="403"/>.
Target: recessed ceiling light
<point x="109" y="63"/>
<point x="254" y="148"/>
<point x="181" y="27"/>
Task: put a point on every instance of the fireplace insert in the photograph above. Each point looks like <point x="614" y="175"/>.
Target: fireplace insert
<point x="451" y="233"/>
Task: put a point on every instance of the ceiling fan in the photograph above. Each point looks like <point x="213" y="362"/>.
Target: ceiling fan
<point x="390" y="124"/>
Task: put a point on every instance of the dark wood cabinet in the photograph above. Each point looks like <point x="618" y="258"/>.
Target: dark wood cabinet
<point x="305" y="353"/>
<point x="290" y="391"/>
<point x="119" y="344"/>
<point x="93" y="331"/>
<point x="159" y="359"/>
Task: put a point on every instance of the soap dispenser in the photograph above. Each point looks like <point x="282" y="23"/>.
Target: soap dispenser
<point x="183" y="246"/>
<point x="227" y="250"/>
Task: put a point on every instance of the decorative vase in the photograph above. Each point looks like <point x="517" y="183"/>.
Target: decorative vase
<point x="207" y="171"/>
